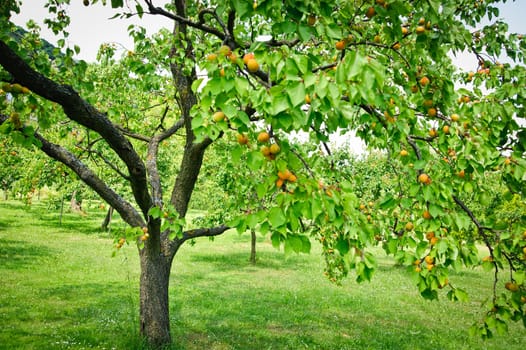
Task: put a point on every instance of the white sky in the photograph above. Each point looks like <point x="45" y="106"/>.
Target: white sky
<point x="91" y="26"/>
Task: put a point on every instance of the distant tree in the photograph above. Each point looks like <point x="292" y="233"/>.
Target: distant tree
<point x="380" y="68"/>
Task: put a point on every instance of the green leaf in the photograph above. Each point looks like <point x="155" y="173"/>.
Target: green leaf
<point x="305" y="32"/>
<point x="117" y="3"/>
<point x="279" y="104"/>
<point x="296" y="93"/>
<point x="276" y="239"/>
<point x="343" y="246"/>
<point x="388" y="203"/>
<point x="155" y="212"/>
<point x="276" y="217"/>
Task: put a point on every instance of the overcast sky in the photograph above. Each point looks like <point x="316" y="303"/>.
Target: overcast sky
<point x="91" y="26"/>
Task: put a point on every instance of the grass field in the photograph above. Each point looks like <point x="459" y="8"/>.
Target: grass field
<point x="61" y="289"/>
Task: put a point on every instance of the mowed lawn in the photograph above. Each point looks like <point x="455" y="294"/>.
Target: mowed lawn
<point x="61" y="289"/>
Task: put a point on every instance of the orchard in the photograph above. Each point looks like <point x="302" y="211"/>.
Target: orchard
<point x="276" y="80"/>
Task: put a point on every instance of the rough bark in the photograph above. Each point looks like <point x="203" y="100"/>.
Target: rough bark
<point x="154" y="310"/>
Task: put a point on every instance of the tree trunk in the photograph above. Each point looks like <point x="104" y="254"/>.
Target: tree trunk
<point x="154" y="310"/>
<point x="75" y="206"/>
<point x="107" y="219"/>
<point x="253" y="247"/>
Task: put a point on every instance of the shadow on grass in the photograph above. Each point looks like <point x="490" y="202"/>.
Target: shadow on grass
<point x="16" y="254"/>
<point x="238" y="261"/>
<point x="76" y="315"/>
<point x="73" y="222"/>
<point x="263" y="319"/>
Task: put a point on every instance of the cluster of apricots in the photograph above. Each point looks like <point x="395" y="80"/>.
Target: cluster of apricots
<point x="269" y="151"/>
<point x="429" y="263"/>
<point x="249" y="59"/>
<point x="284" y="176"/>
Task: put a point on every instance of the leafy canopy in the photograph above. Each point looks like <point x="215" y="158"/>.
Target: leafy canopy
<point x="380" y="69"/>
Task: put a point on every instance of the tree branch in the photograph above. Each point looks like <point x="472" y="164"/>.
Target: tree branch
<point x="203" y="232"/>
<point x="85" y="114"/>
<point x="160" y="11"/>
<point x="59" y="153"/>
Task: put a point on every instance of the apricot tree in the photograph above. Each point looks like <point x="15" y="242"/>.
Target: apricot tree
<point x="380" y="68"/>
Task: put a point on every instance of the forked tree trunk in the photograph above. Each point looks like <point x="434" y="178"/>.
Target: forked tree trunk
<point x="154" y="310"/>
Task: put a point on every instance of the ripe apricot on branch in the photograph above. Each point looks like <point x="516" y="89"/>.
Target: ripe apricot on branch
<point x="252" y="65"/>
<point x="420" y="30"/>
<point x="432" y="112"/>
<point x="429" y="259"/>
<point x="511" y="286"/>
<point x="274" y="148"/>
<point x="211" y="57"/>
<point x="455" y="117"/>
<point x="424" y="81"/>
<point x="340" y="45"/>
<point x="428" y="103"/>
<point x="263" y="137"/>
<point x="232" y="57"/>
<point x="370" y="12"/>
<point x="247" y="57"/>
<point x="426" y="215"/>
<point x="404" y="153"/>
<point x="409" y="226"/>
<point x="424" y="178"/>
<point x="218" y="116"/>
<point x="225" y="50"/>
<point x="265" y="150"/>
<point x="242" y="139"/>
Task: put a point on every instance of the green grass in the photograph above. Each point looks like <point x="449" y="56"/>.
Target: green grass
<point x="61" y="289"/>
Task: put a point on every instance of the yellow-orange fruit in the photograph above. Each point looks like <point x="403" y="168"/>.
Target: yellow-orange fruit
<point x="370" y="12"/>
<point x="247" y="57"/>
<point x="274" y="148"/>
<point x="424" y="81"/>
<point x="242" y="139"/>
<point x="218" y="116"/>
<point x="420" y="30"/>
<point x="340" y="45"/>
<point x="252" y="65"/>
<point x="424" y="178"/>
<point x="263" y="136"/>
